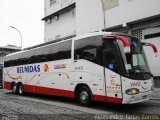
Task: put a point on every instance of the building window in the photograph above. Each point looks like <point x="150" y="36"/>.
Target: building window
<point x="109" y="4"/>
<point x="137" y="34"/>
<point x="52" y="2"/>
<point x="154" y="35"/>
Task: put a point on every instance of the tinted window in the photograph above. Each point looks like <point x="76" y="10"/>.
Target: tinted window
<point x="58" y="51"/>
<point x="51" y="52"/>
<point x="89" y="49"/>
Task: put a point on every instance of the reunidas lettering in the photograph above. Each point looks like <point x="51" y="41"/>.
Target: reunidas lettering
<point x="28" y="69"/>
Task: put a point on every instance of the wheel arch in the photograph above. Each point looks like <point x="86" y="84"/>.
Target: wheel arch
<point x="79" y="85"/>
<point x="19" y="84"/>
<point x="12" y="84"/>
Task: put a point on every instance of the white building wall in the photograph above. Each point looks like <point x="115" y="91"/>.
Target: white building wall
<point x="84" y="19"/>
<point x="131" y="10"/>
<point x="154" y="62"/>
<point x="56" y="6"/>
<point x="60" y="27"/>
<point x="89" y="16"/>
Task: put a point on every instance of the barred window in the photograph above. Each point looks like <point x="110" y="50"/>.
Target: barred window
<point x="154" y="35"/>
<point x="137" y="34"/>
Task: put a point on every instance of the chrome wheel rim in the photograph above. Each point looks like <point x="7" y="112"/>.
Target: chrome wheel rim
<point x="14" y="88"/>
<point x="20" y="90"/>
<point x="84" y="96"/>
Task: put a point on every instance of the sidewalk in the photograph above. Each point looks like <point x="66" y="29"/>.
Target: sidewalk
<point x="156" y="94"/>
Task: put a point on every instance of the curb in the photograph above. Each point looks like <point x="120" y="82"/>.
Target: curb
<point x="156" y="99"/>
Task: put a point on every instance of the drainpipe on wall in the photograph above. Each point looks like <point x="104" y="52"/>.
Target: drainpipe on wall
<point x="103" y="10"/>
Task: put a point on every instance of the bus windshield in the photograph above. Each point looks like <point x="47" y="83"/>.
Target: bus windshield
<point x="139" y="63"/>
<point x="137" y="66"/>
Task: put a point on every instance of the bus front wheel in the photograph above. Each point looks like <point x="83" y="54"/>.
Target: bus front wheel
<point x="84" y="96"/>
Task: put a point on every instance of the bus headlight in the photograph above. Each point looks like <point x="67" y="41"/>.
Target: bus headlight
<point x="132" y="91"/>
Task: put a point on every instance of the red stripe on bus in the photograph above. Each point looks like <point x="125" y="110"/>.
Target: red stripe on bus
<point x="7" y="85"/>
<point x="60" y="92"/>
<point x="99" y="98"/>
<point x="114" y="99"/>
<point x="48" y="91"/>
<point x="107" y="99"/>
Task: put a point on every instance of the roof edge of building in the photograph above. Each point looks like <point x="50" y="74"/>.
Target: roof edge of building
<point x="134" y="22"/>
<point x="63" y="10"/>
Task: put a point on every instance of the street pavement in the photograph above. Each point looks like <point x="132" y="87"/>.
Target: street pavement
<point x="156" y="95"/>
<point x="42" y="107"/>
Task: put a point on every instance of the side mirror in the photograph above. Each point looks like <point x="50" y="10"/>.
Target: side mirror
<point x="153" y="47"/>
<point x="124" y="41"/>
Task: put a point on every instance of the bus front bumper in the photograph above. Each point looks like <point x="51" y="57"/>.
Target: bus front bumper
<point x="131" y="99"/>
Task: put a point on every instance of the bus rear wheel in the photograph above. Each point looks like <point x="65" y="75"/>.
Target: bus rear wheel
<point x="20" y="89"/>
<point x="84" y="96"/>
<point x="14" y="89"/>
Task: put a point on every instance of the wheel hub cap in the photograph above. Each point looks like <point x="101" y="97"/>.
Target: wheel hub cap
<point x="84" y="96"/>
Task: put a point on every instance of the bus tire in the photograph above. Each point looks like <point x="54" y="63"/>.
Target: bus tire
<point x="20" y="89"/>
<point x="14" y="89"/>
<point x="84" y="96"/>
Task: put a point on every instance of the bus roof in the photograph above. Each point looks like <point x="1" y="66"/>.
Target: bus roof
<point x="31" y="50"/>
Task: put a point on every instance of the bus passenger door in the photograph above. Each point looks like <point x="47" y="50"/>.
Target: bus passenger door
<point x="112" y="79"/>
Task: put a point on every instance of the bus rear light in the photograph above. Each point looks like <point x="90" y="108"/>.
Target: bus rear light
<point x="132" y="91"/>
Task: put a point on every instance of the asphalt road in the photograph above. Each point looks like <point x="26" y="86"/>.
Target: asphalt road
<point x="43" y="107"/>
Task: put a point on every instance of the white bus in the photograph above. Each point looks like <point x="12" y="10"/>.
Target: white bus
<point x="100" y="66"/>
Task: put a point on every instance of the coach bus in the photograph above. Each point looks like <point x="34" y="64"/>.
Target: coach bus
<point x="100" y="66"/>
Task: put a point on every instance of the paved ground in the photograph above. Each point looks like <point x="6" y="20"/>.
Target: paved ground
<point x="42" y="107"/>
<point x="157" y="82"/>
<point x="17" y="106"/>
<point x="156" y="95"/>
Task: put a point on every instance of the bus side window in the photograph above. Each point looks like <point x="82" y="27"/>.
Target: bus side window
<point x="99" y="58"/>
<point x="86" y="53"/>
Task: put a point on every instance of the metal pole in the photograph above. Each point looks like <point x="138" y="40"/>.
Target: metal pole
<point x="19" y="34"/>
<point x="103" y="10"/>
